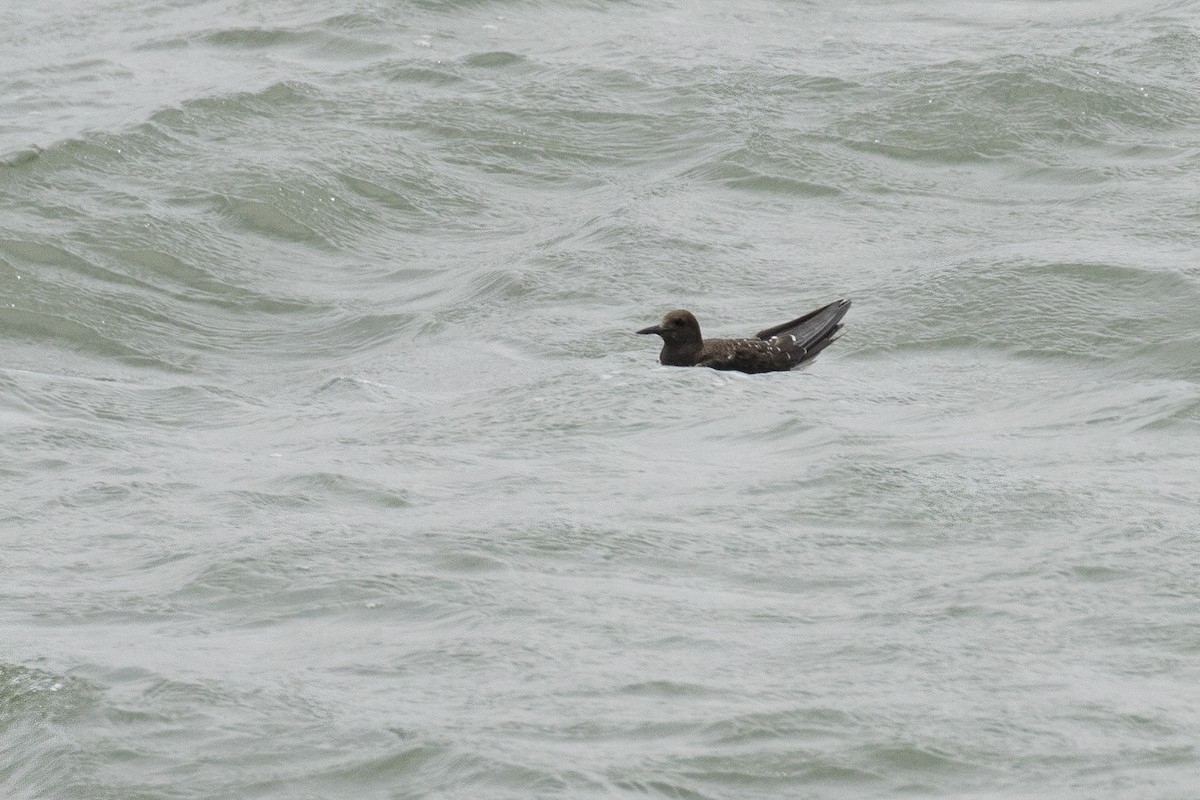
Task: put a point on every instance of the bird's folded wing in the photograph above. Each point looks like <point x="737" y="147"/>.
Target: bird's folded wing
<point x="813" y="326"/>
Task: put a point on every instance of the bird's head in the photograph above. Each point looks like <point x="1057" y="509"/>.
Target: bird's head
<point x="677" y="326"/>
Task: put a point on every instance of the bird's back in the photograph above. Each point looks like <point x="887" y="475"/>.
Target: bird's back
<point x="745" y="355"/>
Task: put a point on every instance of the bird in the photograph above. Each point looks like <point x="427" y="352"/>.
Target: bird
<point x="776" y="349"/>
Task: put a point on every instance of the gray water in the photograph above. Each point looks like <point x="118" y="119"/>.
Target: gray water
<point x="330" y="466"/>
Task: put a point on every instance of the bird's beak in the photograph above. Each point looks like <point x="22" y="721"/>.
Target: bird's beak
<point x="652" y="329"/>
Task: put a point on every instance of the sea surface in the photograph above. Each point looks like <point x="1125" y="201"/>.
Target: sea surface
<point x="330" y="465"/>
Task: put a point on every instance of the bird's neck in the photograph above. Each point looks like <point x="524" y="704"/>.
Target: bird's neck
<point x="681" y="354"/>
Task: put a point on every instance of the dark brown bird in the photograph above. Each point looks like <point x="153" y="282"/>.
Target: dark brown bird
<point x="783" y="347"/>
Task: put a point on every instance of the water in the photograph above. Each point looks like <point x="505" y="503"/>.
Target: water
<point x="330" y="466"/>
